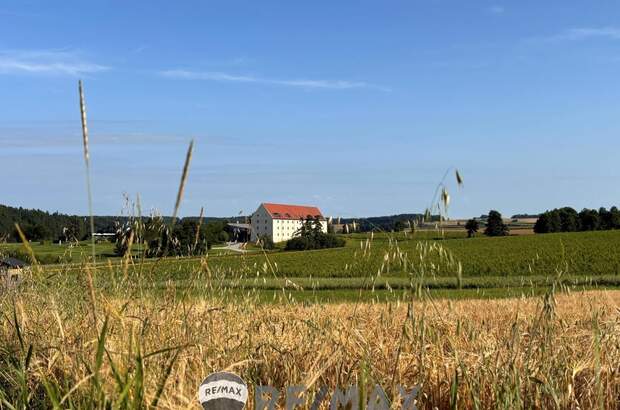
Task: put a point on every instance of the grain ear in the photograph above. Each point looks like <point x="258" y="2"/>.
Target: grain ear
<point x="459" y="178"/>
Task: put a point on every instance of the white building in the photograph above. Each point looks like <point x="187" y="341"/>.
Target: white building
<point x="280" y="222"/>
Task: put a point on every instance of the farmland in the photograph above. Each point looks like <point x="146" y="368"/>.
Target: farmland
<point x="511" y="322"/>
<point x="584" y="253"/>
<point x="69" y="344"/>
<point x="384" y="262"/>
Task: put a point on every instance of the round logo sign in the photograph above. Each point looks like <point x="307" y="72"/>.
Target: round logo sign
<point x="223" y="391"/>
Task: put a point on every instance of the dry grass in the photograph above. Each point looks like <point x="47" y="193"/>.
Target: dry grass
<point x="515" y="353"/>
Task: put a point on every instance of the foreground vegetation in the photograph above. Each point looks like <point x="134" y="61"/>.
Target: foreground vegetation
<point x="136" y="333"/>
<point x="73" y="344"/>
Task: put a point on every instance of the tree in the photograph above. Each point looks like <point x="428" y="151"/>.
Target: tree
<point x="472" y="227"/>
<point x="542" y="224"/>
<point x="311" y="236"/>
<point x="399" y="226"/>
<point x="569" y="219"/>
<point x="615" y="217"/>
<point x="188" y="238"/>
<point x="605" y="219"/>
<point x="558" y="220"/>
<point x="495" y="225"/>
<point x="589" y="220"/>
<point x="555" y="221"/>
<point x="317" y="227"/>
<point x="305" y="228"/>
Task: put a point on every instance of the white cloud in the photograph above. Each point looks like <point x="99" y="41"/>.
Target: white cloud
<point x="302" y="83"/>
<point x="50" y="62"/>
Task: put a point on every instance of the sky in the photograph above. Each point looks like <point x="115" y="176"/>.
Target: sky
<point x="358" y="107"/>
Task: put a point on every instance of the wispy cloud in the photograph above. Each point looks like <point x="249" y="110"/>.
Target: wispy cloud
<point x="582" y="33"/>
<point x="612" y="33"/>
<point x="301" y="83"/>
<point x="50" y="62"/>
<point x="496" y="9"/>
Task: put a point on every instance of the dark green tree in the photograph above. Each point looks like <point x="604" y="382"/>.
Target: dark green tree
<point x="615" y="217"/>
<point x="569" y="219"/>
<point x="589" y="220"/>
<point x="472" y="227"/>
<point x="542" y="224"/>
<point x="555" y="221"/>
<point x="605" y="219"/>
<point x="495" y="225"/>
<point x="311" y="236"/>
<point x="317" y="226"/>
<point x="399" y="226"/>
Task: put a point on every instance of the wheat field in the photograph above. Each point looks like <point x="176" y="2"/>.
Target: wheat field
<point x="77" y="346"/>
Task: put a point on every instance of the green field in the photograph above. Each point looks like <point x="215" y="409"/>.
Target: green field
<point x="53" y="254"/>
<point x="381" y="263"/>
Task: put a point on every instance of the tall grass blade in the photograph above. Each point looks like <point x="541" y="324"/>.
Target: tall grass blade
<point x="188" y="160"/>
<point x="87" y="164"/>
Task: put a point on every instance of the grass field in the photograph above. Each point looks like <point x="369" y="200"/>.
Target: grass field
<point x="384" y="261"/>
<point x="53" y="254"/>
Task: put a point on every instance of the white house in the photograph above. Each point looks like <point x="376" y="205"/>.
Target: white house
<point x="280" y="222"/>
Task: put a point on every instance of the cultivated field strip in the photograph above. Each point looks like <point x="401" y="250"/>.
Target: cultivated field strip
<point x="560" y="351"/>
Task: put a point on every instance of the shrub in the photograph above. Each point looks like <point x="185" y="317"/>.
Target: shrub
<point x="266" y="242"/>
<point x="315" y="241"/>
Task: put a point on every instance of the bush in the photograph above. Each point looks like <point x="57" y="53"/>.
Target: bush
<point x="315" y="241"/>
<point x="266" y="242"/>
<point x="223" y="236"/>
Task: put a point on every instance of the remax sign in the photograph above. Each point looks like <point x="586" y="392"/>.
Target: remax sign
<point x="227" y="391"/>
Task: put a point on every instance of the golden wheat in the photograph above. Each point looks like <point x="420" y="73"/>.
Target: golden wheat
<point x="558" y="352"/>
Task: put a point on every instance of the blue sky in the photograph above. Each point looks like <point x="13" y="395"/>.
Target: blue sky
<point x="357" y="107"/>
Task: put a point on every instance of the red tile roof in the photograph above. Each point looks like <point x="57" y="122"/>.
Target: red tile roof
<point x="282" y="211"/>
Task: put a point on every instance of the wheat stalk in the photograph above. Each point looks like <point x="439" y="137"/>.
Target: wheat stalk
<point x="87" y="164"/>
<point x="188" y="160"/>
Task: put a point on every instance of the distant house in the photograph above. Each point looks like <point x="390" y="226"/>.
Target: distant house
<point x="104" y="236"/>
<point x="281" y="222"/>
<point x="11" y="270"/>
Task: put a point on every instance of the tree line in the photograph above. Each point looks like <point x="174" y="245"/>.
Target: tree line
<point x="40" y="225"/>
<point x="569" y="220"/>
<point x="387" y="223"/>
<point x="157" y="238"/>
<point x="156" y="231"/>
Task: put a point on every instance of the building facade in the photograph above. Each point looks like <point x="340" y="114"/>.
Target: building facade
<point x="281" y="222"/>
